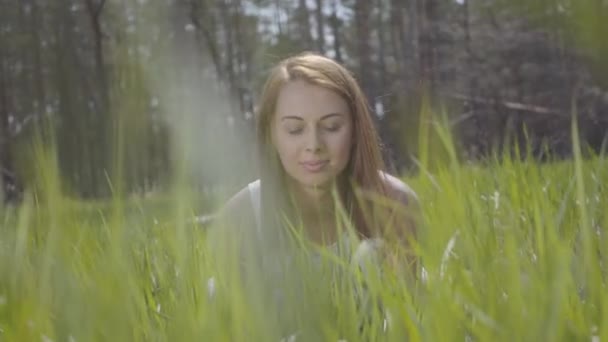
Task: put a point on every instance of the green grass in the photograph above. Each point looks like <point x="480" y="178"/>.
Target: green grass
<point x="513" y="251"/>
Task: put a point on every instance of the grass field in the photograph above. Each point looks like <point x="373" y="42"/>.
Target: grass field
<point x="512" y="250"/>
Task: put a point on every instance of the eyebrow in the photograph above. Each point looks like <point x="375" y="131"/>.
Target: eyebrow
<point x="327" y="116"/>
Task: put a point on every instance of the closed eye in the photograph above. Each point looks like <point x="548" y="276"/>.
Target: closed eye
<point x="333" y="128"/>
<point x="295" y="131"/>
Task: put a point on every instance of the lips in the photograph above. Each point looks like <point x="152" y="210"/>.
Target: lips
<point x="314" y="166"/>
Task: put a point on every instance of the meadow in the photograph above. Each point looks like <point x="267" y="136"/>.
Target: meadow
<point x="512" y="249"/>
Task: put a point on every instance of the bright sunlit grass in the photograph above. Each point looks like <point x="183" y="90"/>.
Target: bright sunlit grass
<point x="512" y="250"/>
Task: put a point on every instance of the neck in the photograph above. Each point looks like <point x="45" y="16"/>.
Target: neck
<point x="315" y="206"/>
<point x="312" y="200"/>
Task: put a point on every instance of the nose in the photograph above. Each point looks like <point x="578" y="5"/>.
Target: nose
<point x="314" y="141"/>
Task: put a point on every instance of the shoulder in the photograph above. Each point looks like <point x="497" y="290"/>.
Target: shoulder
<point x="405" y="208"/>
<point x="398" y="190"/>
<point x="240" y="202"/>
<point x="229" y="230"/>
<point x="238" y="209"/>
<point x="231" y="220"/>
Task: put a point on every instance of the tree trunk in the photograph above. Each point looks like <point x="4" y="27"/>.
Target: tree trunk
<point x="397" y="39"/>
<point x="334" y="23"/>
<point x="277" y="17"/>
<point x="98" y="138"/>
<point x="427" y="40"/>
<point x="320" y="21"/>
<point x="95" y="10"/>
<point x="472" y="74"/>
<point x="303" y="20"/>
<point x="5" y="136"/>
<point x="226" y="15"/>
<point x="380" y="29"/>
<point x="207" y="28"/>
<point x="241" y="83"/>
<point x="363" y="47"/>
<point x="38" y="77"/>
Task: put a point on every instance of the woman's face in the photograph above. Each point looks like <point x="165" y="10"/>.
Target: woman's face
<point x="312" y="131"/>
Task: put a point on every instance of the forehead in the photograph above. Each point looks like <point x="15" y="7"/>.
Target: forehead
<point x="308" y="101"/>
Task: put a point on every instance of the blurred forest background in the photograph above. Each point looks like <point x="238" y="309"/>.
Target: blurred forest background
<point x="97" y="72"/>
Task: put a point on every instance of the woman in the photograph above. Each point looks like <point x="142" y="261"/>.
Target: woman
<point x="321" y="171"/>
<point x="315" y="135"/>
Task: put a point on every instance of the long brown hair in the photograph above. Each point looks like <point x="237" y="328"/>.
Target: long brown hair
<point x="362" y="171"/>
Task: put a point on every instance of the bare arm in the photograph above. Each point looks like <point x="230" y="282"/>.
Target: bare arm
<point x="404" y="219"/>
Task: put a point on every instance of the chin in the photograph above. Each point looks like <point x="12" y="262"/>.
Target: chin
<point x="316" y="182"/>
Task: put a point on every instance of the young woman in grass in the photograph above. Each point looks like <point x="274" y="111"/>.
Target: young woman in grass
<point x="322" y="188"/>
<point x="321" y="168"/>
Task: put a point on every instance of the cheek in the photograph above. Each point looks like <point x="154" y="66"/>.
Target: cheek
<point x="286" y="147"/>
<point x="341" y="146"/>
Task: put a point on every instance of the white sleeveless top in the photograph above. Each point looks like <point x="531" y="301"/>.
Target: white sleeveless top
<point x="365" y="249"/>
<point x="256" y="202"/>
